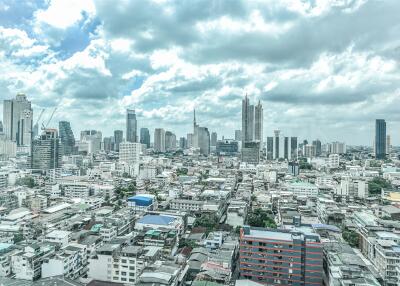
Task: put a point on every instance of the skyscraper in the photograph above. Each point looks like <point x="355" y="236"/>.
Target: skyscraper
<point x="203" y="140"/>
<point x="182" y="143"/>
<point x="201" y="137"/>
<point x="129" y="153"/>
<point x="259" y="123"/>
<point x="238" y="135"/>
<point x="189" y="140"/>
<point x="17" y="120"/>
<point x="170" y="141"/>
<point x="247" y="120"/>
<point x="46" y="151"/>
<point x="66" y="137"/>
<point x="107" y="143"/>
<point x="159" y="140"/>
<point x="195" y="126"/>
<point x="380" y="139"/>
<point x="131" y="126"/>
<point x="118" y="138"/>
<point x="145" y="136"/>
<point x="318" y="147"/>
<point x="93" y="138"/>
<point x="214" y="138"/>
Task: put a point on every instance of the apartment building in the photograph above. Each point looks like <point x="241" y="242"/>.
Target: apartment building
<point x="281" y="257"/>
<point x="115" y="263"/>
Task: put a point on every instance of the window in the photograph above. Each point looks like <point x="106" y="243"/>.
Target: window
<point x="123" y="273"/>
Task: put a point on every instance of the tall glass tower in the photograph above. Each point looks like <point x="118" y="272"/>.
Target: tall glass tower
<point x="380" y="139"/>
<point x="131" y="126"/>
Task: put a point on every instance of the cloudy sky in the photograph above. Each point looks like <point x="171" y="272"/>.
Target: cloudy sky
<point x="322" y="69"/>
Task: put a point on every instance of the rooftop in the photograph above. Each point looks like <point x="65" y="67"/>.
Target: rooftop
<point x="157" y="219"/>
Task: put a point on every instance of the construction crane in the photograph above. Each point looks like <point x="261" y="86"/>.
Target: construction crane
<point x="48" y="121"/>
<point x="36" y="125"/>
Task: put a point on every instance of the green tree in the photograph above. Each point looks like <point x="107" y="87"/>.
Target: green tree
<point x="376" y="185"/>
<point x="261" y="218"/>
<point x="350" y="236"/>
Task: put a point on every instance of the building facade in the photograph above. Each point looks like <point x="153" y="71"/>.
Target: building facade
<point x="17" y="120"/>
<point x="159" y="140"/>
<point x="131" y="126"/>
<point x="380" y="139"/>
<point x="145" y="136"/>
<point x="46" y="151"/>
<point x="66" y="137"/>
<point x="280" y="257"/>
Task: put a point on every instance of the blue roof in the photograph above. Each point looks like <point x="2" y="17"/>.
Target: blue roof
<point x="141" y="200"/>
<point x="156" y="219"/>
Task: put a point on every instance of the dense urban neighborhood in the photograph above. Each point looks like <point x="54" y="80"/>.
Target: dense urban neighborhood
<point x="201" y="210"/>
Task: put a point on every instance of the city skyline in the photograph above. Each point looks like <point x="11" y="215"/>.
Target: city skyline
<point x="92" y="66"/>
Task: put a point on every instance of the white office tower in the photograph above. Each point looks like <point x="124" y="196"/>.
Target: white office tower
<point x="258" y="124"/>
<point x="129" y="153"/>
<point x="17" y="120"/>
<point x="92" y="139"/>
<point x="159" y="140"/>
<point x="336" y="148"/>
<point x="388" y="145"/>
<point x="201" y="137"/>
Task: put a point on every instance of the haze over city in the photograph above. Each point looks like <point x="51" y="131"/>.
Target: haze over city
<point x="323" y="69"/>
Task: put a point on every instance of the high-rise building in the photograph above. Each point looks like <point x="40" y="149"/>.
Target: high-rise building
<point x="108" y="143"/>
<point x="318" y="147"/>
<point x="17" y="120"/>
<point x="251" y="152"/>
<point x="201" y="137"/>
<point x="380" y="139"/>
<point x="129" y="153"/>
<point x="159" y="140"/>
<point x="203" y="140"/>
<point x="310" y="151"/>
<point x="279" y="147"/>
<point x="145" y="136"/>
<point x="214" y="138"/>
<point x="93" y="138"/>
<point x="8" y="148"/>
<point x="259" y="123"/>
<point x="182" y="143"/>
<point x="170" y="141"/>
<point x="247" y="121"/>
<point x="388" y="145"/>
<point x="270" y="148"/>
<point x="46" y="151"/>
<point x="227" y="147"/>
<point x="118" y="138"/>
<point x="195" y="135"/>
<point x="66" y="137"/>
<point x="289" y="256"/>
<point x="336" y="148"/>
<point x="238" y="135"/>
<point x="131" y="126"/>
<point x="189" y="140"/>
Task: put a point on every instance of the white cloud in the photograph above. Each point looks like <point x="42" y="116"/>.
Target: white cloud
<point x="63" y="14"/>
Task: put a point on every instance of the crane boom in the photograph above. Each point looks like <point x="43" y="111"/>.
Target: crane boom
<point x="51" y="117"/>
<point x="40" y="116"/>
